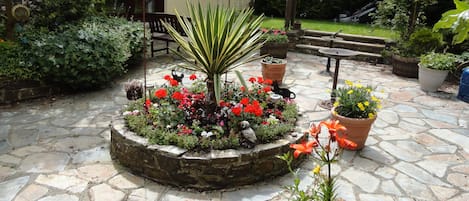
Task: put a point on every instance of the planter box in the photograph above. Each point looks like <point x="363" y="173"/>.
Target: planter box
<point x="405" y="66"/>
<point x="277" y="50"/>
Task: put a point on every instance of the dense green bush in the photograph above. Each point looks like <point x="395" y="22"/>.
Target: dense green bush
<point x="53" y="14"/>
<point x="85" y="55"/>
<point x="12" y="64"/>
<point x="421" y="41"/>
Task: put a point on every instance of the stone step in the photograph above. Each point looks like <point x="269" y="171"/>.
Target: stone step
<point x="342" y="43"/>
<point x="362" y="56"/>
<point x="350" y="37"/>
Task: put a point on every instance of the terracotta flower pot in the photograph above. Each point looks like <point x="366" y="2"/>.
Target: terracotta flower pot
<point x="357" y="129"/>
<point x="274" y="71"/>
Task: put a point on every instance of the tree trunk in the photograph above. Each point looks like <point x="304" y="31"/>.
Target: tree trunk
<point x="412" y="20"/>
<point x="10" y="23"/>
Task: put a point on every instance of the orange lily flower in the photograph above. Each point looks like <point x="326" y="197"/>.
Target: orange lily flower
<point x="333" y="126"/>
<point x="345" y="143"/>
<point x="305" y="147"/>
<point x="314" y="130"/>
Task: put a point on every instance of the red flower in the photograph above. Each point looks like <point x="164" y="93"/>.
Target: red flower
<point x="147" y="103"/>
<point x="244" y="101"/>
<point x="236" y="111"/>
<point x="173" y="82"/>
<point x="242" y="88"/>
<point x="252" y="79"/>
<point x="268" y="82"/>
<point x="161" y="93"/>
<point x="264" y="30"/>
<point x="256" y="103"/>
<point x="267" y="89"/>
<point x="177" y="96"/>
<point x="303" y="148"/>
<point x="168" y="77"/>
<point x="260" y="80"/>
<point x="193" y="77"/>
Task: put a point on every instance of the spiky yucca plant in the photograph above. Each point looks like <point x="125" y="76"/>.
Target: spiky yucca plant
<point x="218" y="40"/>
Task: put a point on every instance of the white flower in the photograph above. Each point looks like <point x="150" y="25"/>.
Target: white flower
<point x="206" y="134"/>
<point x="127" y="113"/>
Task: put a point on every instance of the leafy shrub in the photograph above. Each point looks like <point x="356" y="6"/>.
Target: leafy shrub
<point x="420" y="42"/>
<point x="53" y="14"/>
<point x="439" y="61"/>
<point x="12" y="64"/>
<point x="86" y="55"/>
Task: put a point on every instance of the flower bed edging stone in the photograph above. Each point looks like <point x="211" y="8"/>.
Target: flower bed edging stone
<point x="179" y="167"/>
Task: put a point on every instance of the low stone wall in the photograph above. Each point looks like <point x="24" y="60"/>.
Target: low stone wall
<point x="16" y="91"/>
<point x="202" y="171"/>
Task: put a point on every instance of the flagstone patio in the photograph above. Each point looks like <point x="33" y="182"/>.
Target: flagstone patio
<point x="418" y="148"/>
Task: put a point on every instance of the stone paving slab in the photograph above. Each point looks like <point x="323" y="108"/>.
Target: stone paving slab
<point x="417" y="150"/>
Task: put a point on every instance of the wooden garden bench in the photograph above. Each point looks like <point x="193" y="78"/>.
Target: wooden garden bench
<point x="159" y="32"/>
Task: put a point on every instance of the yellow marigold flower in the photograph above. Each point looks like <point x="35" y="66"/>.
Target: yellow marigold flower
<point x="360" y="105"/>
<point x="371" y="115"/>
<point x="350" y="91"/>
<point x="373" y="98"/>
<point x="336" y="104"/>
<point x="348" y="82"/>
<point x="317" y="169"/>
<point x="379" y="106"/>
<point x="359" y="85"/>
<point x="367" y="103"/>
<point x="368" y="90"/>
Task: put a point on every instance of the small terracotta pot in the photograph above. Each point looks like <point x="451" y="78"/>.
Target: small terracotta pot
<point x="273" y="71"/>
<point x="357" y="129"/>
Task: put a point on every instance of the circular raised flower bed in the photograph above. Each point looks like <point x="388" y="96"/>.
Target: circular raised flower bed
<point x="216" y="169"/>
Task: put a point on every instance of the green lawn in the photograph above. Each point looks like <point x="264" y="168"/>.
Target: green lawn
<point x="350" y="28"/>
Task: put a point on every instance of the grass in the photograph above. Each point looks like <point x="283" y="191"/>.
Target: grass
<point x="350" y="28"/>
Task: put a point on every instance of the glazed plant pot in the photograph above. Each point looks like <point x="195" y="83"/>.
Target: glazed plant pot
<point x="430" y="79"/>
<point x="357" y="129"/>
<point x="274" y="71"/>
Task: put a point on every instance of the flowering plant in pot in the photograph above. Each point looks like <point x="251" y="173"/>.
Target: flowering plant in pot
<point x="356" y="108"/>
<point x="275" y="43"/>
<point x="325" y="148"/>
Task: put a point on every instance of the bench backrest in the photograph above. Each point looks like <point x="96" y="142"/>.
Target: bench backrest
<point x="156" y="26"/>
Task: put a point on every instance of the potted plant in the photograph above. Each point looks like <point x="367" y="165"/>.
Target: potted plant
<point x="406" y="18"/>
<point x="273" y="69"/>
<point x="275" y="43"/>
<point x="433" y="69"/>
<point x="356" y="109"/>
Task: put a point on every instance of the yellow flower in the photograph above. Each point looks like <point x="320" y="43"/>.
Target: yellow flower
<point x="368" y="90"/>
<point x="336" y="104"/>
<point x="367" y="103"/>
<point x="360" y="105"/>
<point x="348" y="82"/>
<point x="350" y="91"/>
<point x="317" y="169"/>
<point x="379" y="106"/>
<point x="371" y="115"/>
<point x="359" y="85"/>
<point x="373" y="98"/>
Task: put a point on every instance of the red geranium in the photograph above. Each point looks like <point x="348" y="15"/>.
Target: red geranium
<point x="173" y="82"/>
<point x="177" y="96"/>
<point x="244" y="101"/>
<point x="193" y="77"/>
<point x="252" y="79"/>
<point x="267" y="89"/>
<point x="236" y="111"/>
<point x="161" y="93"/>
<point x="168" y="77"/>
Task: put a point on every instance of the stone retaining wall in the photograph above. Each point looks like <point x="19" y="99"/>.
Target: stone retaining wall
<point x="15" y="91"/>
<point x="202" y="171"/>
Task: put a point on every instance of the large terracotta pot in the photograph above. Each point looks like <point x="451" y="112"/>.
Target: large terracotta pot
<point x="274" y="71"/>
<point x="357" y="129"/>
<point x="277" y="50"/>
<point x="405" y="66"/>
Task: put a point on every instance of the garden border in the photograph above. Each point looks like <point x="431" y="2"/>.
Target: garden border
<point x="217" y="169"/>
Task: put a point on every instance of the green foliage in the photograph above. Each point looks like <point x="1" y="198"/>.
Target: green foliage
<point x="421" y="41"/>
<point x="53" y="14"/>
<point x="274" y="36"/>
<point x="12" y="64"/>
<point x="86" y="55"/>
<point x="439" y="61"/>
<point x="268" y="133"/>
<point x="219" y="40"/>
<point x="401" y="15"/>
<point x="456" y="20"/>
